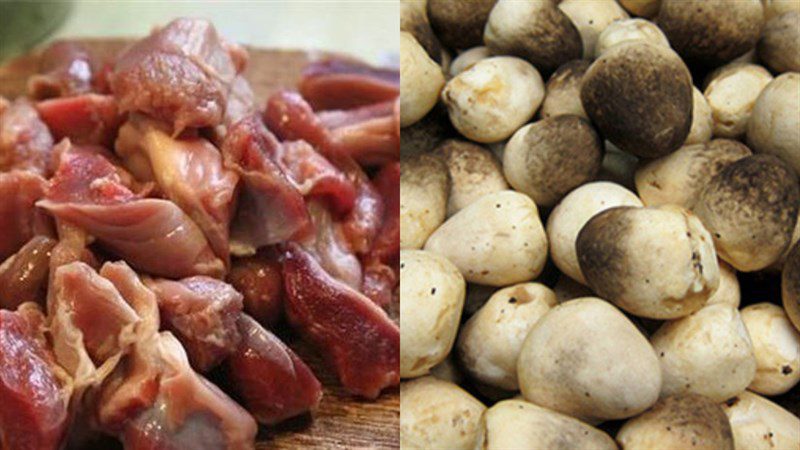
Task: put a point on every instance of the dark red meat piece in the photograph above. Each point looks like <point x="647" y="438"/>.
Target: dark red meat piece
<point x="25" y="141"/>
<point x="202" y="313"/>
<point x="84" y="119"/>
<point x="181" y="73"/>
<point x="362" y="223"/>
<point x="344" y="84"/>
<point x="34" y="400"/>
<point x="273" y="383"/>
<point x="357" y="337"/>
<point x="386" y="247"/>
<point x="260" y="280"/>
<point x="65" y="69"/>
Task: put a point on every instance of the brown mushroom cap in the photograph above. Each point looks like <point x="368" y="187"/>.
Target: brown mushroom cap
<point x="790" y="286"/>
<point x="549" y="158"/>
<point x="711" y="32"/>
<point x="534" y="30"/>
<point x="679" y="421"/>
<point x="640" y="97"/>
<point x="750" y="207"/>
<point x="459" y="24"/>
<point x="779" y="46"/>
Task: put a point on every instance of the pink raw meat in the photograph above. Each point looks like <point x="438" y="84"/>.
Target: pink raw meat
<point x="202" y="313"/>
<point x="153" y="235"/>
<point x="369" y="134"/>
<point x="181" y="73"/>
<point x="84" y="119"/>
<point x="25" y="141"/>
<point x="33" y="396"/>
<point x="345" y="84"/>
<point x="189" y="171"/>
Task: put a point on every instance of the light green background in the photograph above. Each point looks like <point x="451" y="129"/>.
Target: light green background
<point x="366" y="28"/>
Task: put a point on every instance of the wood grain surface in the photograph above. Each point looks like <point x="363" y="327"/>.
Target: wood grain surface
<point x="342" y="421"/>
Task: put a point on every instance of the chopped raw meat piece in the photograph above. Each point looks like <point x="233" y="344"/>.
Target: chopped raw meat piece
<point x="291" y="118"/>
<point x="19" y="218"/>
<point x="260" y="280"/>
<point x="331" y="248"/>
<point x="381" y="271"/>
<point x="202" y="313"/>
<point x="362" y="223"/>
<point x="370" y="134"/>
<point x="172" y="407"/>
<point x="84" y="119"/>
<point x="188" y="171"/>
<point x="153" y="235"/>
<point x="379" y="282"/>
<point x="344" y="84"/>
<point x="34" y="397"/>
<point x="82" y="297"/>
<point x="23" y="276"/>
<point x="273" y="382"/>
<point x="136" y="294"/>
<point x="315" y="176"/>
<point x="25" y="141"/>
<point x="271" y="209"/>
<point x="356" y="336"/>
<point x="242" y="101"/>
<point x="386" y="247"/>
<point x="65" y="69"/>
<point x="181" y="73"/>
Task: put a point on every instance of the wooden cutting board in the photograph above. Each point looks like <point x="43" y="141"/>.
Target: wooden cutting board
<point x="341" y="421"/>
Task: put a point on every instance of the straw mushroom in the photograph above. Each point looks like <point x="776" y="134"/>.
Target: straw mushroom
<point x="731" y="94"/>
<point x="779" y="46"/>
<point x="568" y="218"/>
<point x="774" y="123"/>
<point x="459" y="24"/>
<point x="776" y="345"/>
<point x="750" y="207"/>
<point x="430" y="310"/>
<point x="489" y="101"/>
<point x="421" y="80"/>
<point x="629" y="30"/>
<point x="711" y="32"/>
<point x="549" y="158"/>
<point x="619" y="97"/>
<point x="674" y="277"/>
<point x="592" y="17"/>
<point x="563" y="90"/>
<point x="534" y="30"/>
